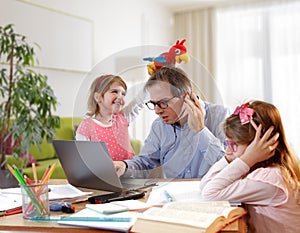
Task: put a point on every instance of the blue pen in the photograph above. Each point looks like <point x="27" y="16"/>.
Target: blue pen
<point x="86" y="219"/>
<point x="168" y="196"/>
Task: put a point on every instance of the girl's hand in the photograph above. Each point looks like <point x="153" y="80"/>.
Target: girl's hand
<point x="260" y="148"/>
<point x="195" y="113"/>
<point x="229" y="156"/>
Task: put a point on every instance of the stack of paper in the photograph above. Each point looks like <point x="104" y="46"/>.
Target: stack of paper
<point x="115" y="211"/>
<point x="118" y="206"/>
<point x="11" y="198"/>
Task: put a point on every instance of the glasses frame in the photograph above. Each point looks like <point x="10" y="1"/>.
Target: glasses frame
<point x="163" y="104"/>
<point x="232" y="145"/>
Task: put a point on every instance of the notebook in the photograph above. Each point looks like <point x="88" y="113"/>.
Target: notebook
<point x="88" y="164"/>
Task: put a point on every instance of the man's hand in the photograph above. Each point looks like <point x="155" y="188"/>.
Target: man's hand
<point x="260" y="148"/>
<point x="120" y="167"/>
<point x="195" y="113"/>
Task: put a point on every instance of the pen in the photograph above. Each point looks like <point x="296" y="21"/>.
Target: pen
<point x="168" y="196"/>
<point x="86" y="219"/>
<point x="13" y="211"/>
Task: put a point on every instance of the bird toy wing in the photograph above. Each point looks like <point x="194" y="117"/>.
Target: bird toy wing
<point x="176" y="54"/>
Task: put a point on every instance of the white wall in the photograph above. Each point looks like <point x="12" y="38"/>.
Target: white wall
<point x="112" y="26"/>
<point x="80" y="39"/>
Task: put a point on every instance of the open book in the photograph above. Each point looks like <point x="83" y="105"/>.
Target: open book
<point x="188" y="217"/>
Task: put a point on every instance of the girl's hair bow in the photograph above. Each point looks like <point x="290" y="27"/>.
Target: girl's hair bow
<point x="244" y="113"/>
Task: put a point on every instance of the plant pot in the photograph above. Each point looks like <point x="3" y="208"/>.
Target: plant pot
<point x="7" y="180"/>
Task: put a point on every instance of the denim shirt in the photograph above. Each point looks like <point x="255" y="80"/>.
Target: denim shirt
<point x="181" y="152"/>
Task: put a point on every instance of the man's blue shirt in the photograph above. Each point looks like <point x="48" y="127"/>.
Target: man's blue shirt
<point x="182" y="153"/>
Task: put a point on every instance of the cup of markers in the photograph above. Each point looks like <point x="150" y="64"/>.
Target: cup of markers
<point x="35" y="194"/>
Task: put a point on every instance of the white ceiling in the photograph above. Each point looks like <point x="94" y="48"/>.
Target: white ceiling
<point x="181" y="5"/>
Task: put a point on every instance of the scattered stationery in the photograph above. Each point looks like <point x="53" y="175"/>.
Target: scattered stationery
<point x="118" y="206"/>
<point x="113" y="224"/>
<point x="34" y="173"/>
<point x="11" y="198"/>
<point x="67" y="192"/>
<point x="168" y="196"/>
<point x="208" y="217"/>
<point x="174" y="191"/>
<point x="10" y="201"/>
<point x="83" y="219"/>
<point x="16" y="210"/>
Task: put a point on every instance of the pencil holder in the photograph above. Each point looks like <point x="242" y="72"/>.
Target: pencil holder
<point x="35" y="200"/>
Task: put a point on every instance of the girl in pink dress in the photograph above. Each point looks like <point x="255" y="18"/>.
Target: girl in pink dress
<point x="259" y="170"/>
<point x="107" y="120"/>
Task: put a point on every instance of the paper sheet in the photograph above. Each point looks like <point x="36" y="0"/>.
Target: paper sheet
<point x="10" y="201"/>
<point x="11" y="198"/>
<point x="118" y="206"/>
<point x="179" y="191"/>
<point x="114" y="225"/>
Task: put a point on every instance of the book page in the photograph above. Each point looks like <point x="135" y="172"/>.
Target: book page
<point x="220" y="208"/>
<point x="176" y="216"/>
<point x="216" y="207"/>
<point x="200" y="214"/>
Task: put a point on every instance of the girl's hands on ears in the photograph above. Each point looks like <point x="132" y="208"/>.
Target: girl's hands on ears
<point x="261" y="148"/>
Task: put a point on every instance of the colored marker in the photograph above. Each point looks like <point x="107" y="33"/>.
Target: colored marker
<point x="168" y="196"/>
<point x="85" y="219"/>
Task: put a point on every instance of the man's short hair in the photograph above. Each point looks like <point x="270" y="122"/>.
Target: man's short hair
<point x="180" y="83"/>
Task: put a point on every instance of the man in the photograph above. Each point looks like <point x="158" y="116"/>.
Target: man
<point x="186" y="139"/>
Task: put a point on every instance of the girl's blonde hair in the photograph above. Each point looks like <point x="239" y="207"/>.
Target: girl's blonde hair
<point x="101" y="85"/>
<point x="267" y="115"/>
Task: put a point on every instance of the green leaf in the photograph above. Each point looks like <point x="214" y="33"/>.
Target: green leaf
<point x="27" y="101"/>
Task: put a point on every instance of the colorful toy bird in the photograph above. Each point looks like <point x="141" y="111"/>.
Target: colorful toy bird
<point x="176" y="54"/>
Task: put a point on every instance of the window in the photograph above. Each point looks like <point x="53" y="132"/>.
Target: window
<point x="258" y="57"/>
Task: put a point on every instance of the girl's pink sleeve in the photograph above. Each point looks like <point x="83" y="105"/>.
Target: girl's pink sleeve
<point x="230" y="182"/>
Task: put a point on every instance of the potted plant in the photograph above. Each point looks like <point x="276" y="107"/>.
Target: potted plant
<point x="26" y="100"/>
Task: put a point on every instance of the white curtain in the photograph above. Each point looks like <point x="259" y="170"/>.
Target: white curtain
<point x="197" y="27"/>
<point x="255" y="51"/>
<point x="258" y="57"/>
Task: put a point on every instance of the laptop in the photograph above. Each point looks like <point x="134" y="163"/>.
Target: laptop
<point x="88" y="164"/>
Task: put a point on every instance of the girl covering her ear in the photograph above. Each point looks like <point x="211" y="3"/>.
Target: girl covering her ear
<point x="259" y="170"/>
<point x="107" y="118"/>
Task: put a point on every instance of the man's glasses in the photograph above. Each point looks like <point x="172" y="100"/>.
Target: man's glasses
<point x="231" y="145"/>
<point x="163" y="104"/>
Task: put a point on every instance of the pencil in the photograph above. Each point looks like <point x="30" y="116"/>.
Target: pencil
<point x="48" y="175"/>
<point x="18" y="175"/>
<point x="28" y="190"/>
<point x="12" y="171"/>
<point x="28" y="181"/>
<point x="34" y="173"/>
<point x="46" y="172"/>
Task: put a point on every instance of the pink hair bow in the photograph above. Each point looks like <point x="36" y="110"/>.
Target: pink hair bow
<point x="244" y="113"/>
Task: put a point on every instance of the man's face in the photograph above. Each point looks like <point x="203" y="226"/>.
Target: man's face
<point x="171" y="106"/>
